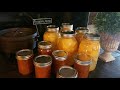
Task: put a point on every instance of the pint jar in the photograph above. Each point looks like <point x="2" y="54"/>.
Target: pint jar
<point x="67" y="72"/>
<point x="42" y="65"/>
<point x="82" y="65"/>
<point x="45" y="48"/>
<point x="59" y="59"/>
<point x="25" y="61"/>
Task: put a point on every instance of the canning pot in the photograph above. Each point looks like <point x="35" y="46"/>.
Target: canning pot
<point x="14" y="39"/>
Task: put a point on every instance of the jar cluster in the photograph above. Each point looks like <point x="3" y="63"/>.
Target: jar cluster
<point x="63" y="53"/>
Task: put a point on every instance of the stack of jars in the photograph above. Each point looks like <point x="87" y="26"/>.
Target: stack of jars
<point x="62" y="53"/>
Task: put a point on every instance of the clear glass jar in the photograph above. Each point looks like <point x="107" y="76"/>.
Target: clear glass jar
<point x="68" y="43"/>
<point x="66" y="27"/>
<point x="60" y="58"/>
<point x="42" y="65"/>
<point x="91" y="46"/>
<point x="80" y="33"/>
<point x="82" y="65"/>
<point x="25" y="61"/>
<point x="71" y="72"/>
<point x="52" y="35"/>
<point x="45" y="48"/>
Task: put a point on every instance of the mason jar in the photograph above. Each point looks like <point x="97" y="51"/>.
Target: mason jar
<point x="59" y="59"/>
<point x="42" y="65"/>
<point x="67" y="72"/>
<point x="91" y="46"/>
<point x="45" y="48"/>
<point x="80" y="33"/>
<point x="68" y="43"/>
<point x="52" y="35"/>
<point x="25" y="61"/>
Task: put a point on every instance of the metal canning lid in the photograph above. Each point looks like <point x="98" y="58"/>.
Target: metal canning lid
<point x="67" y="72"/>
<point x="79" y="61"/>
<point x="92" y="36"/>
<point x="68" y="33"/>
<point x="44" y="44"/>
<point x="24" y="54"/>
<point x="60" y="55"/>
<point x="82" y="28"/>
<point x="52" y="28"/>
<point x="43" y="60"/>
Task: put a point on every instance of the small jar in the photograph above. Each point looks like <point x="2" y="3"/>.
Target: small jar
<point x="80" y="33"/>
<point x="60" y="58"/>
<point x="82" y="65"/>
<point x="25" y="61"/>
<point x="45" y="48"/>
<point x="52" y="35"/>
<point x="67" y="72"/>
<point x="42" y="65"/>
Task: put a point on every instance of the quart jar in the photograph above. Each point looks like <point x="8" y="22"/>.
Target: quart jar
<point x="67" y="72"/>
<point x="60" y="58"/>
<point x="25" y="61"/>
<point x="52" y="35"/>
<point x="42" y="65"/>
<point x="45" y="48"/>
<point x="68" y="43"/>
<point x="80" y="33"/>
<point x="91" y="46"/>
<point x="66" y="27"/>
<point x="82" y="65"/>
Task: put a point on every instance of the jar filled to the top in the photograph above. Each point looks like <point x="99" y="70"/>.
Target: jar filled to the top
<point x="68" y="43"/>
<point x="52" y="35"/>
<point x="80" y="33"/>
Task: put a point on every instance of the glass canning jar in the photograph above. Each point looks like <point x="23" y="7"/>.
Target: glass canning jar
<point x="80" y="33"/>
<point x="45" y="48"/>
<point x="91" y="46"/>
<point x="68" y="43"/>
<point x="66" y="27"/>
<point x="25" y="61"/>
<point x="52" y="35"/>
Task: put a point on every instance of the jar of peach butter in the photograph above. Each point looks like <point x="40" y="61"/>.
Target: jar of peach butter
<point x="42" y="65"/>
<point x="25" y="61"/>
<point x="45" y="48"/>
<point x="67" y="72"/>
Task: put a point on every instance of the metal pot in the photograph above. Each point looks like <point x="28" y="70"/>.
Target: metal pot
<point x="14" y="39"/>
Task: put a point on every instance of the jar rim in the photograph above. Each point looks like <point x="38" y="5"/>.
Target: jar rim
<point x="74" y="74"/>
<point x="41" y="63"/>
<point x="93" y="36"/>
<point x="44" y="44"/>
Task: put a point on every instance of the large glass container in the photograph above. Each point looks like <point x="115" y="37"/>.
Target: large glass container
<point x="52" y="35"/>
<point x="68" y="43"/>
<point x="90" y="46"/>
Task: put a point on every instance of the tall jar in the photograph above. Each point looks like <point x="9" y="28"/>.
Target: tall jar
<point x="91" y="46"/>
<point x="80" y="33"/>
<point x="68" y="43"/>
<point x="52" y="35"/>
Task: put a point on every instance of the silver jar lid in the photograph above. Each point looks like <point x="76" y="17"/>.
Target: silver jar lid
<point x="82" y="29"/>
<point x="93" y="36"/>
<point x="44" y="45"/>
<point x="43" y="60"/>
<point x="68" y="34"/>
<point x="24" y="54"/>
<point x="60" y="55"/>
<point x="67" y="72"/>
